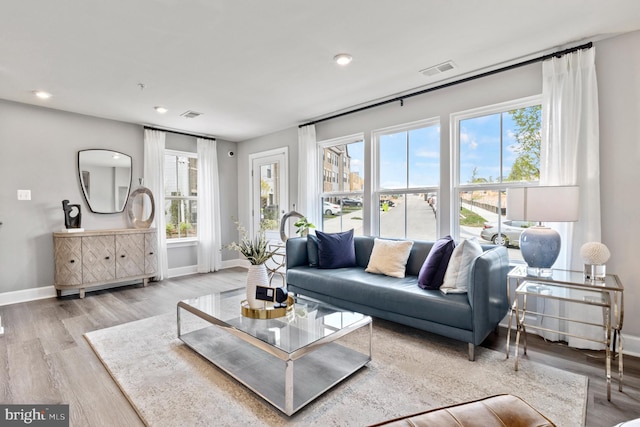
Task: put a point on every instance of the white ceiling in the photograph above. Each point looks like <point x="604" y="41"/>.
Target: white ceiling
<point x="253" y="67"/>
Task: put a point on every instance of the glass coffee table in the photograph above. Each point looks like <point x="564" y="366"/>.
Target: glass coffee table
<point x="287" y="361"/>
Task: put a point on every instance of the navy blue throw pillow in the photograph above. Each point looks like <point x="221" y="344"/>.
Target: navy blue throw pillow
<point x="336" y="250"/>
<point x="432" y="272"/>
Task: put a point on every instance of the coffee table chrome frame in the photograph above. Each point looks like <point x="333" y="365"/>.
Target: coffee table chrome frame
<point x="286" y="357"/>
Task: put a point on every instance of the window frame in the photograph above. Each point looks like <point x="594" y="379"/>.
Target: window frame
<point x="456" y="186"/>
<point x="377" y="191"/>
<point x="182" y="241"/>
<point x="335" y="177"/>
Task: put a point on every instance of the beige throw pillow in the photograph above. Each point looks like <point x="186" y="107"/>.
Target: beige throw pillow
<point x="456" y="279"/>
<point x="389" y="257"/>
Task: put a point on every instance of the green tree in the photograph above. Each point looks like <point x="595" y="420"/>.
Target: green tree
<point x="527" y="133"/>
<point x="475" y="178"/>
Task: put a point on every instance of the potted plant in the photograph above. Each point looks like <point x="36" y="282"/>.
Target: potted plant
<point x="256" y="251"/>
<point x="303" y="226"/>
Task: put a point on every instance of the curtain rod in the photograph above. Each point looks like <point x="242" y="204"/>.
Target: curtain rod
<point x="401" y="98"/>
<point x="180" y="133"/>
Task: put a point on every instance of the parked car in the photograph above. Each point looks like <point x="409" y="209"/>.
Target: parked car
<point x="509" y="235"/>
<point x="351" y="202"/>
<point x="330" y="208"/>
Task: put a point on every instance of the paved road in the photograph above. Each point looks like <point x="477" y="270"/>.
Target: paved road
<point x="421" y="222"/>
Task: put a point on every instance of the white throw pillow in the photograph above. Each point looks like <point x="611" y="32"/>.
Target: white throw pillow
<point x="456" y="277"/>
<point x="389" y="257"/>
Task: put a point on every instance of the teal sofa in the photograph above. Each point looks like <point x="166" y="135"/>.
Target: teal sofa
<point x="468" y="317"/>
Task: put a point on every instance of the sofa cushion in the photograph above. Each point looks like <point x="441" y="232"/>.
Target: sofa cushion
<point x="456" y="278"/>
<point x="432" y="272"/>
<point x="336" y="250"/>
<point x="389" y="257"/>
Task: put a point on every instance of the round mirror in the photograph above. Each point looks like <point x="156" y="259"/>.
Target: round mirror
<point x="138" y="204"/>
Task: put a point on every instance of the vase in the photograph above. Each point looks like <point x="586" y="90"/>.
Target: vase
<point x="257" y="276"/>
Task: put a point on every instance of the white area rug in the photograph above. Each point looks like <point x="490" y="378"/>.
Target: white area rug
<point x="411" y="371"/>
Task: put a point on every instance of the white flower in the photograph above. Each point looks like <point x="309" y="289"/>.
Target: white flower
<point x="594" y="253"/>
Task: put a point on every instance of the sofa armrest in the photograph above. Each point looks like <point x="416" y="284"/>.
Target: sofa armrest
<point x="296" y="248"/>
<point x="488" y="291"/>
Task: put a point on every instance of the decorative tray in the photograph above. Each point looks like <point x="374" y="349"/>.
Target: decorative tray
<point x="267" y="313"/>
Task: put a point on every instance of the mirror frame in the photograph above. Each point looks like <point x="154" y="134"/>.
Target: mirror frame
<point x="87" y="197"/>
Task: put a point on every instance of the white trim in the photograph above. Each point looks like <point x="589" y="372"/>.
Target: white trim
<point x="182" y="271"/>
<point x="243" y="263"/>
<point x="376" y="190"/>
<point x="267" y="156"/>
<point x="193" y="269"/>
<point x="26" y="295"/>
<point x="180" y="243"/>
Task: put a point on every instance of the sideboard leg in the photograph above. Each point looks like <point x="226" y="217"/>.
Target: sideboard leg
<point x="81" y="293"/>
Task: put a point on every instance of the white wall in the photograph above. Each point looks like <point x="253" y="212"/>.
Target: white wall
<point x="618" y="68"/>
<point x="618" y="71"/>
<point x="38" y="152"/>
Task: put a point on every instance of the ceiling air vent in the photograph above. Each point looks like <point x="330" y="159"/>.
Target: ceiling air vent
<point x="437" y="69"/>
<point x="190" y="114"/>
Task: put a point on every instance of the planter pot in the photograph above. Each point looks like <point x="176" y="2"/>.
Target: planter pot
<point x="257" y="276"/>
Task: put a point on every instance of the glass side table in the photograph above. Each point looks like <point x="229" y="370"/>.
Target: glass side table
<point x="570" y="287"/>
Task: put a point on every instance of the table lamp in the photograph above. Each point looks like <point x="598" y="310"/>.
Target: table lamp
<point x="540" y="245"/>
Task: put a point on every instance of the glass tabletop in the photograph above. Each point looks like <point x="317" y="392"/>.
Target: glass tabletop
<point x="309" y="322"/>
<point x="570" y="278"/>
<point x="562" y="292"/>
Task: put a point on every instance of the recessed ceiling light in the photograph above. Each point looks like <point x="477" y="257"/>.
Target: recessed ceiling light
<point x="160" y="109"/>
<point x="343" y="58"/>
<point x="42" y="94"/>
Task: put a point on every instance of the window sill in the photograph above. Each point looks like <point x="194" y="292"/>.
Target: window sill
<point x="180" y="243"/>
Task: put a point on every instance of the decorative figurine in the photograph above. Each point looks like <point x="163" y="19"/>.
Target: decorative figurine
<point x="71" y="221"/>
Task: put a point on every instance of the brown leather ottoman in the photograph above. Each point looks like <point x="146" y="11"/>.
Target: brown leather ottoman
<point x="501" y="410"/>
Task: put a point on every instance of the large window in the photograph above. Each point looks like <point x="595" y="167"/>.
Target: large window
<point x="408" y="177"/>
<point x="497" y="147"/>
<point x="181" y="194"/>
<point x="343" y="184"/>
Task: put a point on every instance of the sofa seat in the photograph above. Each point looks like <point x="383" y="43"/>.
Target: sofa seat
<point x="391" y="294"/>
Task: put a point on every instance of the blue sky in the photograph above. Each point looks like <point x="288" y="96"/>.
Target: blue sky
<point x="480" y="147"/>
<point x="423" y="158"/>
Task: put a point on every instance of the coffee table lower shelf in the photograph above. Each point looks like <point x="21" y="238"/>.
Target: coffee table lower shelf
<point x="266" y="375"/>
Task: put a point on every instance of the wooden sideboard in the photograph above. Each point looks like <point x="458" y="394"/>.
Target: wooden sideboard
<point x="93" y="258"/>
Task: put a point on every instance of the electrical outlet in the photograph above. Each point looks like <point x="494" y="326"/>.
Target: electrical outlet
<point x="24" y="194"/>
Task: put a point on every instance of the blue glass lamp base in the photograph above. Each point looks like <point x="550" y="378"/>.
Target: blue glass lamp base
<point x="540" y="247"/>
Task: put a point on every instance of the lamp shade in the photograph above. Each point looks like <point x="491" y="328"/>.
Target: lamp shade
<point x="542" y="204"/>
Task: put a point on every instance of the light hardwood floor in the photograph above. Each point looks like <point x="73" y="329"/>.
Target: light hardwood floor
<point x="44" y="357"/>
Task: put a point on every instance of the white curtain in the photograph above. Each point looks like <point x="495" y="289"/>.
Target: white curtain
<point x="569" y="155"/>
<point x="209" y="232"/>
<point x="308" y="175"/>
<point x="154" y="181"/>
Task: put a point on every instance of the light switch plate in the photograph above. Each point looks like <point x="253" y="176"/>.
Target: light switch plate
<point x="24" y="194"/>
